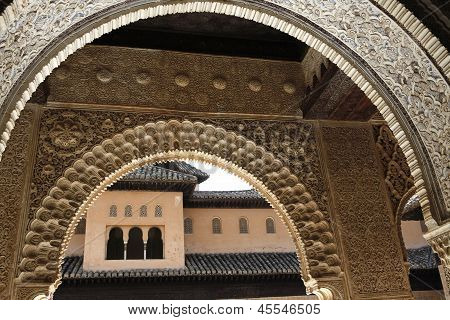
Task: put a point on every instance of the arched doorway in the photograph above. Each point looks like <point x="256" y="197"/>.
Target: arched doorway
<point x="115" y="247"/>
<point x="155" y="245"/>
<point x="135" y="244"/>
<point x="106" y="163"/>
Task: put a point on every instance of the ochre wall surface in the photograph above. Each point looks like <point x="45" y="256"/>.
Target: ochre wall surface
<point x="230" y="240"/>
<point x="98" y="224"/>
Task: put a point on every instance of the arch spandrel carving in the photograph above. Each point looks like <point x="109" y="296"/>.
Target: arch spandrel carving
<point x="106" y="162"/>
<point x="385" y="53"/>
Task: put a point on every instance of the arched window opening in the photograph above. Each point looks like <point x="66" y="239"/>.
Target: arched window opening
<point x="135" y="245"/>
<point x="128" y="211"/>
<point x="216" y="226"/>
<point x="243" y="225"/>
<point x="155" y="249"/>
<point x="143" y="211"/>
<point x="115" y="246"/>
<point x="158" y="211"/>
<point x="113" y="211"/>
<point x="270" y="225"/>
<point x="188" y="226"/>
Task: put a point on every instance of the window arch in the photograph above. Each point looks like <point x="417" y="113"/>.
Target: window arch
<point x="135" y="245"/>
<point x="158" y="211"/>
<point x="243" y="225"/>
<point x="270" y="225"/>
<point x="115" y="246"/>
<point x="155" y="249"/>
<point x="216" y="225"/>
<point x="143" y="211"/>
<point x="128" y="211"/>
<point x="113" y="211"/>
<point x="188" y="227"/>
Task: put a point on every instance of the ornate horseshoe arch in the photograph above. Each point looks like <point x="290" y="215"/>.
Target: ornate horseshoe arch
<point x="390" y="66"/>
<point x="90" y="175"/>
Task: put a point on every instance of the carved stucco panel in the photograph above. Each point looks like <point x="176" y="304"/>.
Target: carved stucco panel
<point x="12" y="184"/>
<point x="397" y="174"/>
<point x="374" y="263"/>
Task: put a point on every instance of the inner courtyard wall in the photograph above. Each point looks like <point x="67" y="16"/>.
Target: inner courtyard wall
<point x="99" y="222"/>
<point x="203" y="240"/>
<point x="231" y="240"/>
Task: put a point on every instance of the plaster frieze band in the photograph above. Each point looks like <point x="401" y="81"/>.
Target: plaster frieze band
<point x="389" y="52"/>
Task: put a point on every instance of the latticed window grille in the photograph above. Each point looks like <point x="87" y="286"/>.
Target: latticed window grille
<point x="270" y="225"/>
<point x="143" y="211"/>
<point x="216" y="225"/>
<point x="243" y="225"/>
<point x="188" y="226"/>
<point x="128" y="211"/>
<point x="113" y="211"/>
<point x="158" y="211"/>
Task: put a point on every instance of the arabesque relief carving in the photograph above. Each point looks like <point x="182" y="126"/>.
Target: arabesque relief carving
<point x="395" y="168"/>
<point x="42" y="250"/>
<point x="365" y="221"/>
<point x="12" y="184"/>
<point x="397" y="175"/>
<point x="30" y="292"/>
<point x="441" y="245"/>
<point x="382" y="46"/>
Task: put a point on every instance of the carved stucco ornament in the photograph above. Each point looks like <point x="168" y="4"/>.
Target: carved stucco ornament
<point x="440" y="242"/>
<point x="66" y="134"/>
<point x="399" y="63"/>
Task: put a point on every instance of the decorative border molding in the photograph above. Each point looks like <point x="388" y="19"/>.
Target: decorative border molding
<point x="418" y="30"/>
<point x="408" y="72"/>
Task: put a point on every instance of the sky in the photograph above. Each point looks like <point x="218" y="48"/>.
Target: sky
<point x="219" y="180"/>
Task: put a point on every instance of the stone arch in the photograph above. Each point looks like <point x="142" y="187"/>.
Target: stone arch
<point x="89" y="176"/>
<point x="411" y="92"/>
